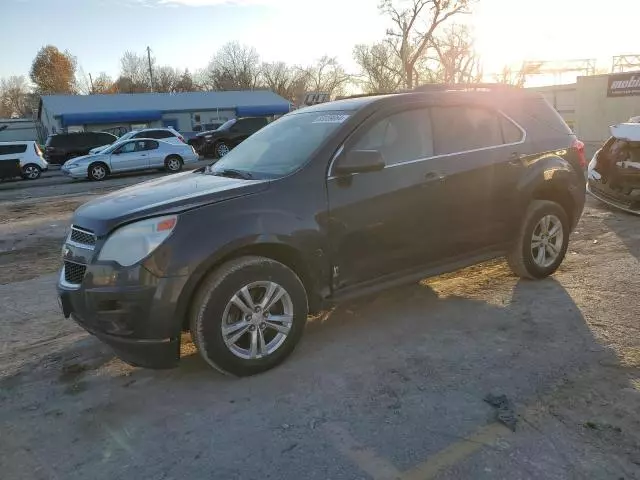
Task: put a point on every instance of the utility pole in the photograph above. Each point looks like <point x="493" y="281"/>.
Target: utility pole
<point x="150" y="69"/>
<point x="91" y="82"/>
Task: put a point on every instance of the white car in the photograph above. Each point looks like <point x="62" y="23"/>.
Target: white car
<point x="167" y="134"/>
<point x="131" y="155"/>
<point x="28" y="152"/>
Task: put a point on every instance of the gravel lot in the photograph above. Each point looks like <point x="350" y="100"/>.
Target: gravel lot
<point x="386" y="387"/>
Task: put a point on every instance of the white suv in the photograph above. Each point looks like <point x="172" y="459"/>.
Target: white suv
<point x="28" y="152"/>
<point x="167" y="134"/>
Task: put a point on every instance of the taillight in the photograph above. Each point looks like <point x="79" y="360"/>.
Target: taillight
<point x="579" y="146"/>
<point x="37" y="149"/>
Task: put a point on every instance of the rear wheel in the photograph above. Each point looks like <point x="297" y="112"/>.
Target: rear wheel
<point x="31" y="171"/>
<point x="542" y="242"/>
<point x="98" y="171"/>
<point x="173" y="163"/>
<point x="248" y="315"/>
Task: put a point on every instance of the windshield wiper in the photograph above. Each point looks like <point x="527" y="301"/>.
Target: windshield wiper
<point x="230" y="172"/>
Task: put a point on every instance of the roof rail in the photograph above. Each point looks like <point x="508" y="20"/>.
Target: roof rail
<point x="430" y="87"/>
<point x="360" y="95"/>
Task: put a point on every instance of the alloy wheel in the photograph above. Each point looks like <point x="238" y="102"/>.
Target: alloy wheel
<point x="98" y="172"/>
<point x="546" y="241"/>
<point x="31" y="172"/>
<point x="257" y="320"/>
<point x="222" y="150"/>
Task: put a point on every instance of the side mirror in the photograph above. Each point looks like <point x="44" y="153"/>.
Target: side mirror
<point x="117" y="152"/>
<point x="360" y="161"/>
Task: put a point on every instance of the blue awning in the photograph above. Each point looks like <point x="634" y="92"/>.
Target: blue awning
<point x="109" y="117"/>
<point x="262" y="110"/>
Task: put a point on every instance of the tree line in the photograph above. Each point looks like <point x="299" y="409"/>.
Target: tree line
<point x="424" y="44"/>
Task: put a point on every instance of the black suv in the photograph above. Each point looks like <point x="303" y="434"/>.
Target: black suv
<point x="60" y="147"/>
<point x="327" y="202"/>
<point x="219" y="142"/>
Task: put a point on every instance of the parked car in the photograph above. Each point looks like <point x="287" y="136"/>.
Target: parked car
<point x="131" y="155"/>
<point x="221" y="141"/>
<point x="167" y="134"/>
<point x="29" y="157"/>
<point x="614" y="171"/>
<point x="61" y="147"/>
<point x="327" y="202"/>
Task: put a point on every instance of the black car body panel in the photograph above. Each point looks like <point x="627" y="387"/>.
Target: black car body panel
<point x="231" y="133"/>
<point x="61" y="147"/>
<point x="339" y="233"/>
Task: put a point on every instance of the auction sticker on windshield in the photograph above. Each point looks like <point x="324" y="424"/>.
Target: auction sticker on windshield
<point x="331" y="119"/>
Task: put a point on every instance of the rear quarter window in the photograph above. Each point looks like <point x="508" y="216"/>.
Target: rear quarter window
<point x="13" y="149"/>
<point x="461" y="128"/>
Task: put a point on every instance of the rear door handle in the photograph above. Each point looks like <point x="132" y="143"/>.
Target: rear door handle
<point x="434" y="177"/>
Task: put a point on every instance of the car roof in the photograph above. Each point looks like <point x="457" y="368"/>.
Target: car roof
<point x="17" y="141"/>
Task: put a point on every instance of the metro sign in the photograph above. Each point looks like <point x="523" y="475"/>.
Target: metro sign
<point x="624" y="85"/>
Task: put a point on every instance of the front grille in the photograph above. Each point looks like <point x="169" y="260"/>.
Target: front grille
<point x="82" y="237"/>
<point x="74" y="272"/>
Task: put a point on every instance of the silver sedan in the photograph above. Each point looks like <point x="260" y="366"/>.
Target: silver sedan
<point x="131" y="155"/>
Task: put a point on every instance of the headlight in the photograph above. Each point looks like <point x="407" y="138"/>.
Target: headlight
<point x="132" y="243"/>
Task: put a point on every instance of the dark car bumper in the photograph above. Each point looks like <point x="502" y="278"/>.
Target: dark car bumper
<point x="131" y="310"/>
<point x="616" y="199"/>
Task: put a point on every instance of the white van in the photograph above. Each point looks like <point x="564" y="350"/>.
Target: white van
<point x="28" y="152"/>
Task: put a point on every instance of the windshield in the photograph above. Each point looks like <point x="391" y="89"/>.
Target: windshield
<point x="127" y="135"/>
<point x="227" y="124"/>
<point x="113" y="146"/>
<point x="282" y="146"/>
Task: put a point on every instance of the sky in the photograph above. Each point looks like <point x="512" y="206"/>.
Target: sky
<point x="186" y="33"/>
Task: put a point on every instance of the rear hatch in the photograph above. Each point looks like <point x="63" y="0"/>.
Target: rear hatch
<point x="614" y="171"/>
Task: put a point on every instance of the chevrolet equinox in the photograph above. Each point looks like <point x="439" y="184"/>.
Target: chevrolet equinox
<point x="327" y="202"/>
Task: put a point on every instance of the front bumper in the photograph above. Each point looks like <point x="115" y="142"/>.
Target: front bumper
<point x="75" y="173"/>
<point x="130" y="309"/>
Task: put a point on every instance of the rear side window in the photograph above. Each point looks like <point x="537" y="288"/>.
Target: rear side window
<point x="400" y="137"/>
<point x="459" y="129"/>
<point x="510" y="132"/>
<point x="13" y="149"/>
<point x="159" y="134"/>
<point x="150" y="145"/>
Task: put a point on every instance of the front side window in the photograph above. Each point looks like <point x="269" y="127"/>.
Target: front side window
<point x="282" y="146"/>
<point x="400" y="137"/>
<point x="460" y="128"/>
<point x="128" y="147"/>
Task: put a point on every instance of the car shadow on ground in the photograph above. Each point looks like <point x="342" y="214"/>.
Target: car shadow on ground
<point x="406" y="372"/>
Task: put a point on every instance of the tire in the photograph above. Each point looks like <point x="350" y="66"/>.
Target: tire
<point x="31" y="171"/>
<point x="173" y="163"/>
<point x="213" y="308"/>
<point x="221" y="149"/>
<point x="97" y="171"/>
<point x="525" y="258"/>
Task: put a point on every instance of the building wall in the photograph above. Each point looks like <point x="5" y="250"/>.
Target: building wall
<point x="564" y="99"/>
<point x="596" y="112"/>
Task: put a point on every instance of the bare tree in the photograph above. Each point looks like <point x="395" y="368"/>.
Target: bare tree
<point x="381" y="70"/>
<point x="15" y="97"/>
<point x="186" y="83"/>
<point x="53" y="71"/>
<point x="287" y="81"/>
<point x="457" y="59"/>
<point x="135" y="68"/>
<point x="103" y="83"/>
<point x="515" y="76"/>
<point x="328" y="76"/>
<point x="414" y="29"/>
<point x="165" y="79"/>
<point x="234" y="67"/>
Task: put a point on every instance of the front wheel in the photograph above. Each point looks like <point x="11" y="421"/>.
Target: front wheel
<point x="248" y="315"/>
<point x="98" y="171"/>
<point x="542" y="241"/>
<point x="31" y="171"/>
<point x="222" y="149"/>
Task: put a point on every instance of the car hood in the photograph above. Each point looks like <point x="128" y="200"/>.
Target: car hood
<point x="211" y="132"/>
<point x="167" y="195"/>
<point x="83" y="160"/>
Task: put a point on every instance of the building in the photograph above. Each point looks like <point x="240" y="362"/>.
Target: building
<point x="594" y="103"/>
<point x="186" y="112"/>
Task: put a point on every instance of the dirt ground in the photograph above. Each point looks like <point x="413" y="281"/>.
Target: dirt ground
<point x="385" y="387"/>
